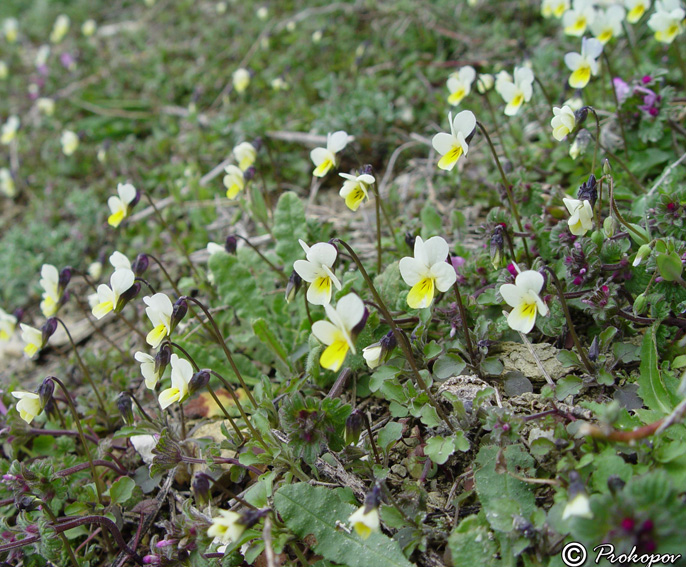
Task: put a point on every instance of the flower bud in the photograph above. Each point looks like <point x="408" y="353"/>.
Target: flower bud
<point x="367" y="169"/>
<point x="670" y="266"/>
<point x="162" y="359"/>
<point x="353" y="427"/>
<point x="293" y="285"/>
<point x="497" y="247"/>
<point x="373" y="498"/>
<point x="409" y="240"/>
<point x="642" y="254"/>
<point x="594" y="350"/>
<point x="199" y="380"/>
<point x="201" y="489"/>
<point x="581" y="115"/>
<point x="597" y="238"/>
<point x="615" y="484"/>
<point x="607" y="168"/>
<point x="137" y="198"/>
<point x="588" y="191"/>
<point x="64" y="278"/>
<point x="127" y="296"/>
<point x="610" y="226"/>
<point x="257" y="143"/>
<point x="249" y="173"/>
<point x="48" y="329"/>
<point x="250" y="517"/>
<point x="140" y="264"/>
<point x="357" y="329"/>
<point x="45" y="391"/>
<point x="231" y="244"/>
<point x="179" y="311"/>
<point x="125" y="407"/>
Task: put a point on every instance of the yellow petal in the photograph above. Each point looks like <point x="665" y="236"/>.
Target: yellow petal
<point x="456" y="97"/>
<point x="579" y="78"/>
<point x="449" y="160"/>
<point x="102" y="309"/>
<point x="115" y="218"/>
<point x="421" y="294"/>
<point x="362" y="530"/>
<point x="323" y="168"/>
<point x="334" y="355"/>
<point x="233" y="191"/>
<point x="355" y="198"/>
<point x="635" y="14"/>
<point x="30" y="349"/>
<point x="154" y="337"/>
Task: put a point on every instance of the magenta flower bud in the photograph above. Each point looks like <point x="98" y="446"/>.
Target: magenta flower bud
<point x="152" y="560"/>
<point x="166" y="543"/>
<point x="511" y="268"/>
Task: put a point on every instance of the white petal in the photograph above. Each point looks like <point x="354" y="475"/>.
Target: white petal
<point x="444" y="275"/>
<point x="121" y="281"/>
<point x="325" y="331"/>
<point x="143" y="357"/>
<point x="412" y="270"/>
<point x="443" y="142"/>
<point x="437" y="250"/>
<point x="420" y="251"/>
<point x="592" y="48"/>
<point x="464" y="122"/>
<point x="320" y="155"/>
<point x="337" y="141"/>
<point x="182" y="372"/>
<point x="511" y="294"/>
<point x="323" y="253"/>
<point x="307" y="270"/>
<point x="350" y="308"/>
<point x="160" y="302"/>
<point x="467" y="74"/>
<point x="119" y="261"/>
<point x="530" y="280"/>
<point x="127" y="192"/>
<point x="573" y="61"/>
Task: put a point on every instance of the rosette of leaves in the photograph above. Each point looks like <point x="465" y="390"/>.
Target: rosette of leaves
<point x="314" y="425"/>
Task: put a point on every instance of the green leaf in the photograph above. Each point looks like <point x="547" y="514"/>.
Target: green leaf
<point x="269" y="338"/>
<point x="316" y="510"/>
<point x="392" y="431"/>
<point x="651" y="386"/>
<point x="568" y="386"/>
<point x="471" y="543"/>
<point x="448" y="365"/>
<point x="431" y="221"/>
<point x="289" y="226"/>
<point x="439" y="449"/>
<point x="121" y="490"/>
<point x="568" y="358"/>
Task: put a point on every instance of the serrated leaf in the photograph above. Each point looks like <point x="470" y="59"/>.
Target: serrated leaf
<point x="651" y="386"/>
<point x="315" y="510"/>
<point x="439" y="449"/>
<point x="289" y="226"/>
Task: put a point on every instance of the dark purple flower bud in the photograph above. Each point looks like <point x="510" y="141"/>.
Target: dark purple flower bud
<point x="257" y="144"/>
<point x="128" y="295"/>
<point x="581" y="115"/>
<point x="353" y="427"/>
<point x="45" y="391"/>
<point x="125" y="407"/>
<point x="250" y="517"/>
<point x="367" y="169"/>
<point x="64" y="278"/>
<point x="293" y="285"/>
<point x="231" y="244"/>
<point x="48" y="329"/>
<point x="372" y="499"/>
<point x="140" y="264"/>
<point x="198" y="381"/>
<point x="388" y="342"/>
<point x="409" y="240"/>
<point x="357" y="329"/>
<point x="496" y="248"/>
<point x="162" y="359"/>
<point x="594" y="350"/>
<point x="201" y="489"/>
<point x="588" y="190"/>
<point x="27" y="503"/>
<point x="178" y="312"/>
<point x="19" y="314"/>
<point x="249" y="173"/>
<point x="137" y="198"/>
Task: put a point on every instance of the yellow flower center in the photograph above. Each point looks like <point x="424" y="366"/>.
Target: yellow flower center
<point x="451" y="157"/>
<point x="421" y="294"/>
<point x="579" y="78"/>
<point x="635" y="13"/>
<point x="323" y="168"/>
<point x="605" y="36"/>
<point x="334" y="355"/>
<point x="322" y="285"/>
<point x="355" y="198"/>
<point x="456" y="97"/>
<point x="155" y="336"/>
<point x="115" y="218"/>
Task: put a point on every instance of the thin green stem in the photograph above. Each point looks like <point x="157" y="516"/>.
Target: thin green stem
<point x="597" y="138"/>
<point x="371" y="439"/>
<point x="220" y="340"/>
<point x="255" y="434"/>
<point x="138" y="405"/>
<point x="400" y="337"/>
<point x="680" y="61"/>
<point x="166" y="274"/>
<point x="617" y="105"/>
<point x="276" y="270"/>
<point x="508" y="189"/>
<point x="487" y="98"/>
<point x="75" y="415"/>
<point x="83" y="367"/>
<point x="377" y="202"/>
<point x="570" y="324"/>
<point x="46" y="508"/>
<point x="465" y="326"/>
<point x="619" y="216"/>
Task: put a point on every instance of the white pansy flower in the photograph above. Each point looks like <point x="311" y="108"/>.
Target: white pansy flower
<point x="46" y="106"/>
<point x="120" y="204"/>
<point x="325" y="159"/>
<point x="585" y="64"/>
<point x="578" y="18"/>
<point x="28" y="406"/>
<point x="60" y="28"/>
<point x="563" y="122"/>
<point x="484" y="82"/>
<point x="245" y="154"/>
<point x="8" y="324"/>
<point x="226" y="528"/>
<point x="7" y="186"/>
<point x="181" y="374"/>
<point x="667" y="21"/>
<point x="608" y="23"/>
<point x="337" y="333"/>
<point x="523" y="297"/>
<point x="355" y="189"/>
<point x="233" y="181"/>
<point x="9" y="130"/>
<point x="50" y="282"/>
<point x="460" y="84"/>
<point x="454" y="145"/>
<point x="88" y="28"/>
<point x="148" y="369"/>
<point x="159" y="310"/>
<point x="10" y="29"/>
<point x="636" y="9"/>
<point x="69" y="141"/>
<point x="241" y="80"/>
<point x="579" y="506"/>
<point x="33" y="338"/>
<point x="317" y="270"/>
<point x="517" y="92"/>
<point x="427" y="272"/>
<point x="108" y="296"/>
<point x="365" y="522"/>
<point x="556" y="8"/>
<point x="581" y="219"/>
